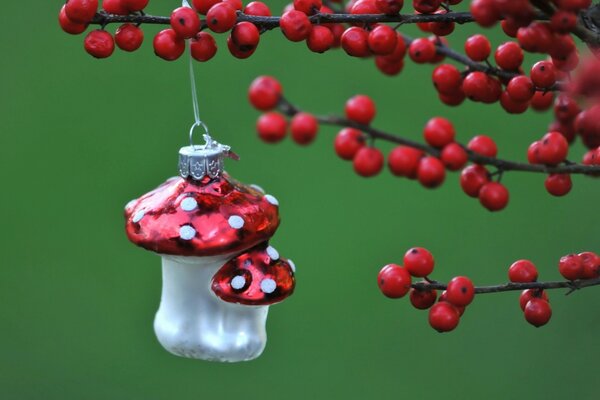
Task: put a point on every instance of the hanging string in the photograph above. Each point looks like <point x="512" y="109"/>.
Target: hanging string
<point x="197" y="120"/>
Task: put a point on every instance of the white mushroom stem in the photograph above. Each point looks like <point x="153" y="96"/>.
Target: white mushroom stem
<point x="193" y="322"/>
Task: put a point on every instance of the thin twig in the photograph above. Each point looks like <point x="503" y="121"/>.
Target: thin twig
<point x="506" y="287"/>
<point x="504" y="165"/>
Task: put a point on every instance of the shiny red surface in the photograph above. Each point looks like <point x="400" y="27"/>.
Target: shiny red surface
<point x="255" y="266"/>
<point x="218" y="199"/>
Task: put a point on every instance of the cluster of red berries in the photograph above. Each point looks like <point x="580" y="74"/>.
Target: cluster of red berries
<point x="395" y="281"/>
<point x="272" y="127"/>
<point x="534" y="302"/>
<point x="169" y="44"/>
<point x="406" y="161"/>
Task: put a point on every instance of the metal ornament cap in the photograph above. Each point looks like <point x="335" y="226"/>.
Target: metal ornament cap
<point x="204" y="160"/>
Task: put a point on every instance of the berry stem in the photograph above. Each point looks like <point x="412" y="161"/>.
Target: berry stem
<point x="504" y="165"/>
<point x="511" y="286"/>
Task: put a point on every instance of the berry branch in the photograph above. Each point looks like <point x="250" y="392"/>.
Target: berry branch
<point x="503" y="165"/>
<point x="267" y="22"/>
<point x="511" y="286"/>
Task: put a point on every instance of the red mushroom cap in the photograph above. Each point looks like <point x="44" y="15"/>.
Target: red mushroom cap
<point x="204" y="217"/>
<point x="257" y="277"/>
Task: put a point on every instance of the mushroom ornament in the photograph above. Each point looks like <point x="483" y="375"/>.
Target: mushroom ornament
<point x="219" y="273"/>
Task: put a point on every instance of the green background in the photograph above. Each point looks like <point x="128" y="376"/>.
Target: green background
<point x="82" y="137"/>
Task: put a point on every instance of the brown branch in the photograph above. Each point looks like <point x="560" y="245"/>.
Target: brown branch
<point x="103" y="18"/>
<point x="506" y="287"/>
<point x="502" y="165"/>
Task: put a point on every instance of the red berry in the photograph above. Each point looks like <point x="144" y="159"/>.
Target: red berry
<point x="529" y="294"/>
<point x="295" y="25"/>
<point x="264" y="93"/>
<point x="538" y="312"/>
<point x="509" y="56"/>
<point x="202" y="6"/>
<point x="382" y="40"/>
<point x="571" y="267"/>
<point x="320" y="39"/>
<point x="441" y="28"/>
<point x="431" y="172"/>
<point x="472" y="179"/>
<point x="361" y="109"/>
<point x="304" y="128"/>
<point x="419" y="262"/>
<point x="422" y="299"/>
<point x="543" y="74"/>
<point x="452" y="99"/>
<point x="460" y="291"/>
<point x="484" y="12"/>
<point x="168" y="46"/>
<point x="388" y="67"/>
<point x="129" y="37"/>
<point x="245" y="36"/>
<point x="271" y="127"/>
<point x="553" y="149"/>
<point x="511" y="106"/>
<point x="389" y="7"/>
<point x="483" y="145"/>
<point x="221" y="17"/>
<point x="443" y="317"/>
<point x="426" y="6"/>
<point x="542" y="101"/>
<point x="308" y="7"/>
<point x="185" y="22"/>
<point x="203" y="47"/>
<point x="558" y="184"/>
<point x="394" y="281"/>
<point x="510" y="27"/>
<point x="363" y="7"/>
<point x="74" y="28"/>
<point x="454" y="156"/>
<point x="115" y="7"/>
<point x="81" y="11"/>
<point x="355" y="42"/>
<point x="532" y="152"/>
<point x="522" y="271"/>
<point x="478" y="86"/>
<point x="591" y="265"/>
<point x="257" y="8"/>
<point x="99" y="44"/>
<point x="563" y="21"/>
<point x="135" y="5"/>
<point x="520" y="88"/>
<point x="478" y="47"/>
<point x="566" y="108"/>
<point x="348" y="142"/>
<point x="493" y="196"/>
<point x="235" y="4"/>
<point x="421" y="50"/>
<point x="447" y="79"/>
<point x="368" y="161"/>
<point x="535" y="38"/>
<point x="439" y="132"/>
<point x="404" y="161"/>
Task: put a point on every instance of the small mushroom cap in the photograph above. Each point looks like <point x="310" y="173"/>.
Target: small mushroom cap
<point x="257" y="277"/>
<point x="201" y="218"/>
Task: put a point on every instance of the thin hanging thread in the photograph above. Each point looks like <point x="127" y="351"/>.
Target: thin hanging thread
<point x="197" y="120"/>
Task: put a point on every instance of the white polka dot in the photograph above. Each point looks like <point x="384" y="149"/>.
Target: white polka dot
<point x="268" y="285"/>
<point x="130" y="204"/>
<point x="274" y="254"/>
<point x="271" y="199"/>
<point x="236" y="222"/>
<point x="189" y="204"/>
<point x="187" y="232"/>
<point x="256" y="187"/>
<point x="238" y="282"/>
<point x="138" y="216"/>
<point x="292" y="265"/>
